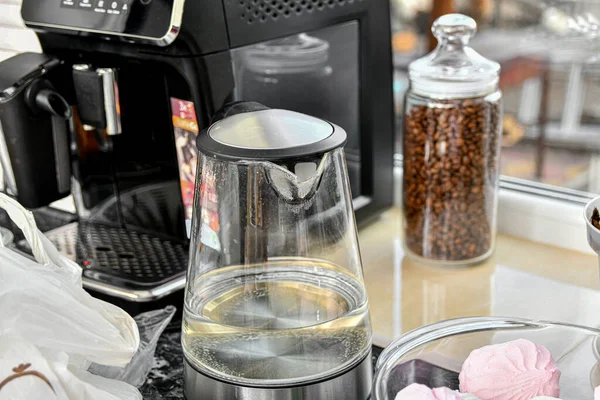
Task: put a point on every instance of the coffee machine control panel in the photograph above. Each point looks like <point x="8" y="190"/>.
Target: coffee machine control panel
<point x="147" y="21"/>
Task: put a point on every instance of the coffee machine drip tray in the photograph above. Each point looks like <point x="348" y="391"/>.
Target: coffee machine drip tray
<point x="131" y="265"/>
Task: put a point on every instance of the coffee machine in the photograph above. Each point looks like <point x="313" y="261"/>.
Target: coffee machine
<point x="110" y="112"/>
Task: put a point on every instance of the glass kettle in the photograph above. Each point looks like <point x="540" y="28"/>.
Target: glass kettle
<point x="275" y="305"/>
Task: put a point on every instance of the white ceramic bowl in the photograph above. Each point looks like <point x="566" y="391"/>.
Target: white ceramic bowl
<point x="593" y="234"/>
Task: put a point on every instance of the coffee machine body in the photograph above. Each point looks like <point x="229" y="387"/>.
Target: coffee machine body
<point x="144" y="77"/>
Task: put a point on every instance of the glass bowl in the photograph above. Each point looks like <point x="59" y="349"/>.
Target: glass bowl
<point x="433" y="354"/>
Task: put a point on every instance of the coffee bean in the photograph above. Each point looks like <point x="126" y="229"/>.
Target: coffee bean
<point x="451" y="154"/>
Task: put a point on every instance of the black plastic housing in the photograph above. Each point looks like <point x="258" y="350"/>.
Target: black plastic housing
<point x="197" y="66"/>
<point x="35" y="130"/>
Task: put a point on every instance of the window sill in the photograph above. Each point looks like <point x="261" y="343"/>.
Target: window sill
<point x="543" y="214"/>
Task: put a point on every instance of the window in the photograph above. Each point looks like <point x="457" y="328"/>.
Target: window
<point x="14" y="37"/>
<point x="550" y="80"/>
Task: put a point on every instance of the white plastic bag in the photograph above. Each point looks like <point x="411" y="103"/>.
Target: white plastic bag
<point x="56" y="327"/>
<point x="151" y="325"/>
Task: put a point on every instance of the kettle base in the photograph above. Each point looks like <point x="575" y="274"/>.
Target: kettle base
<point x="354" y="384"/>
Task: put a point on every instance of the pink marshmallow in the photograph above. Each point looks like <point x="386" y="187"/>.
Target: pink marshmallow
<point x="443" y="393"/>
<point x="517" y="370"/>
<point x="416" y="391"/>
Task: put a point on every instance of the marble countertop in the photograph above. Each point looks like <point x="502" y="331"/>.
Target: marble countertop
<point x="522" y="279"/>
<point x="165" y="380"/>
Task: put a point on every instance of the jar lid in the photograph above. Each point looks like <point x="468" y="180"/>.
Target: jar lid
<point x="293" y="54"/>
<point x="453" y="69"/>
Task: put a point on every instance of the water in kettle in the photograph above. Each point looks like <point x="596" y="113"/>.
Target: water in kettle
<point x="284" y="322"/>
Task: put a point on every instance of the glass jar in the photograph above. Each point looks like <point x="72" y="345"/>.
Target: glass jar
<point x="287" y="73"/>
<point x="452" y="140"/>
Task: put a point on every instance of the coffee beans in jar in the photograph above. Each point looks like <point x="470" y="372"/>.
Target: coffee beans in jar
<point x="452" y="138"/>
<point x="451" y="154"/>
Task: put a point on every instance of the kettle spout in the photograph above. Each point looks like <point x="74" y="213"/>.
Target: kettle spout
<point x="297" y="181"/>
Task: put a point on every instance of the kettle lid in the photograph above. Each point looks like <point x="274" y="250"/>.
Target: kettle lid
<point x="261" y="133"/>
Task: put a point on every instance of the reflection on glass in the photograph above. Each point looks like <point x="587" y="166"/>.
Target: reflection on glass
<point x="291" y="73"/>
<point x="315" y="73"/>
<point x="432" y="295"/>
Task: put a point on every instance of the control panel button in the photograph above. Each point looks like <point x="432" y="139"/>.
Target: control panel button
<point x="86" y="4"/>
<point x="67" y="3"/>
<point x="114" y="7"/>
<point x="100" y="6"/>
